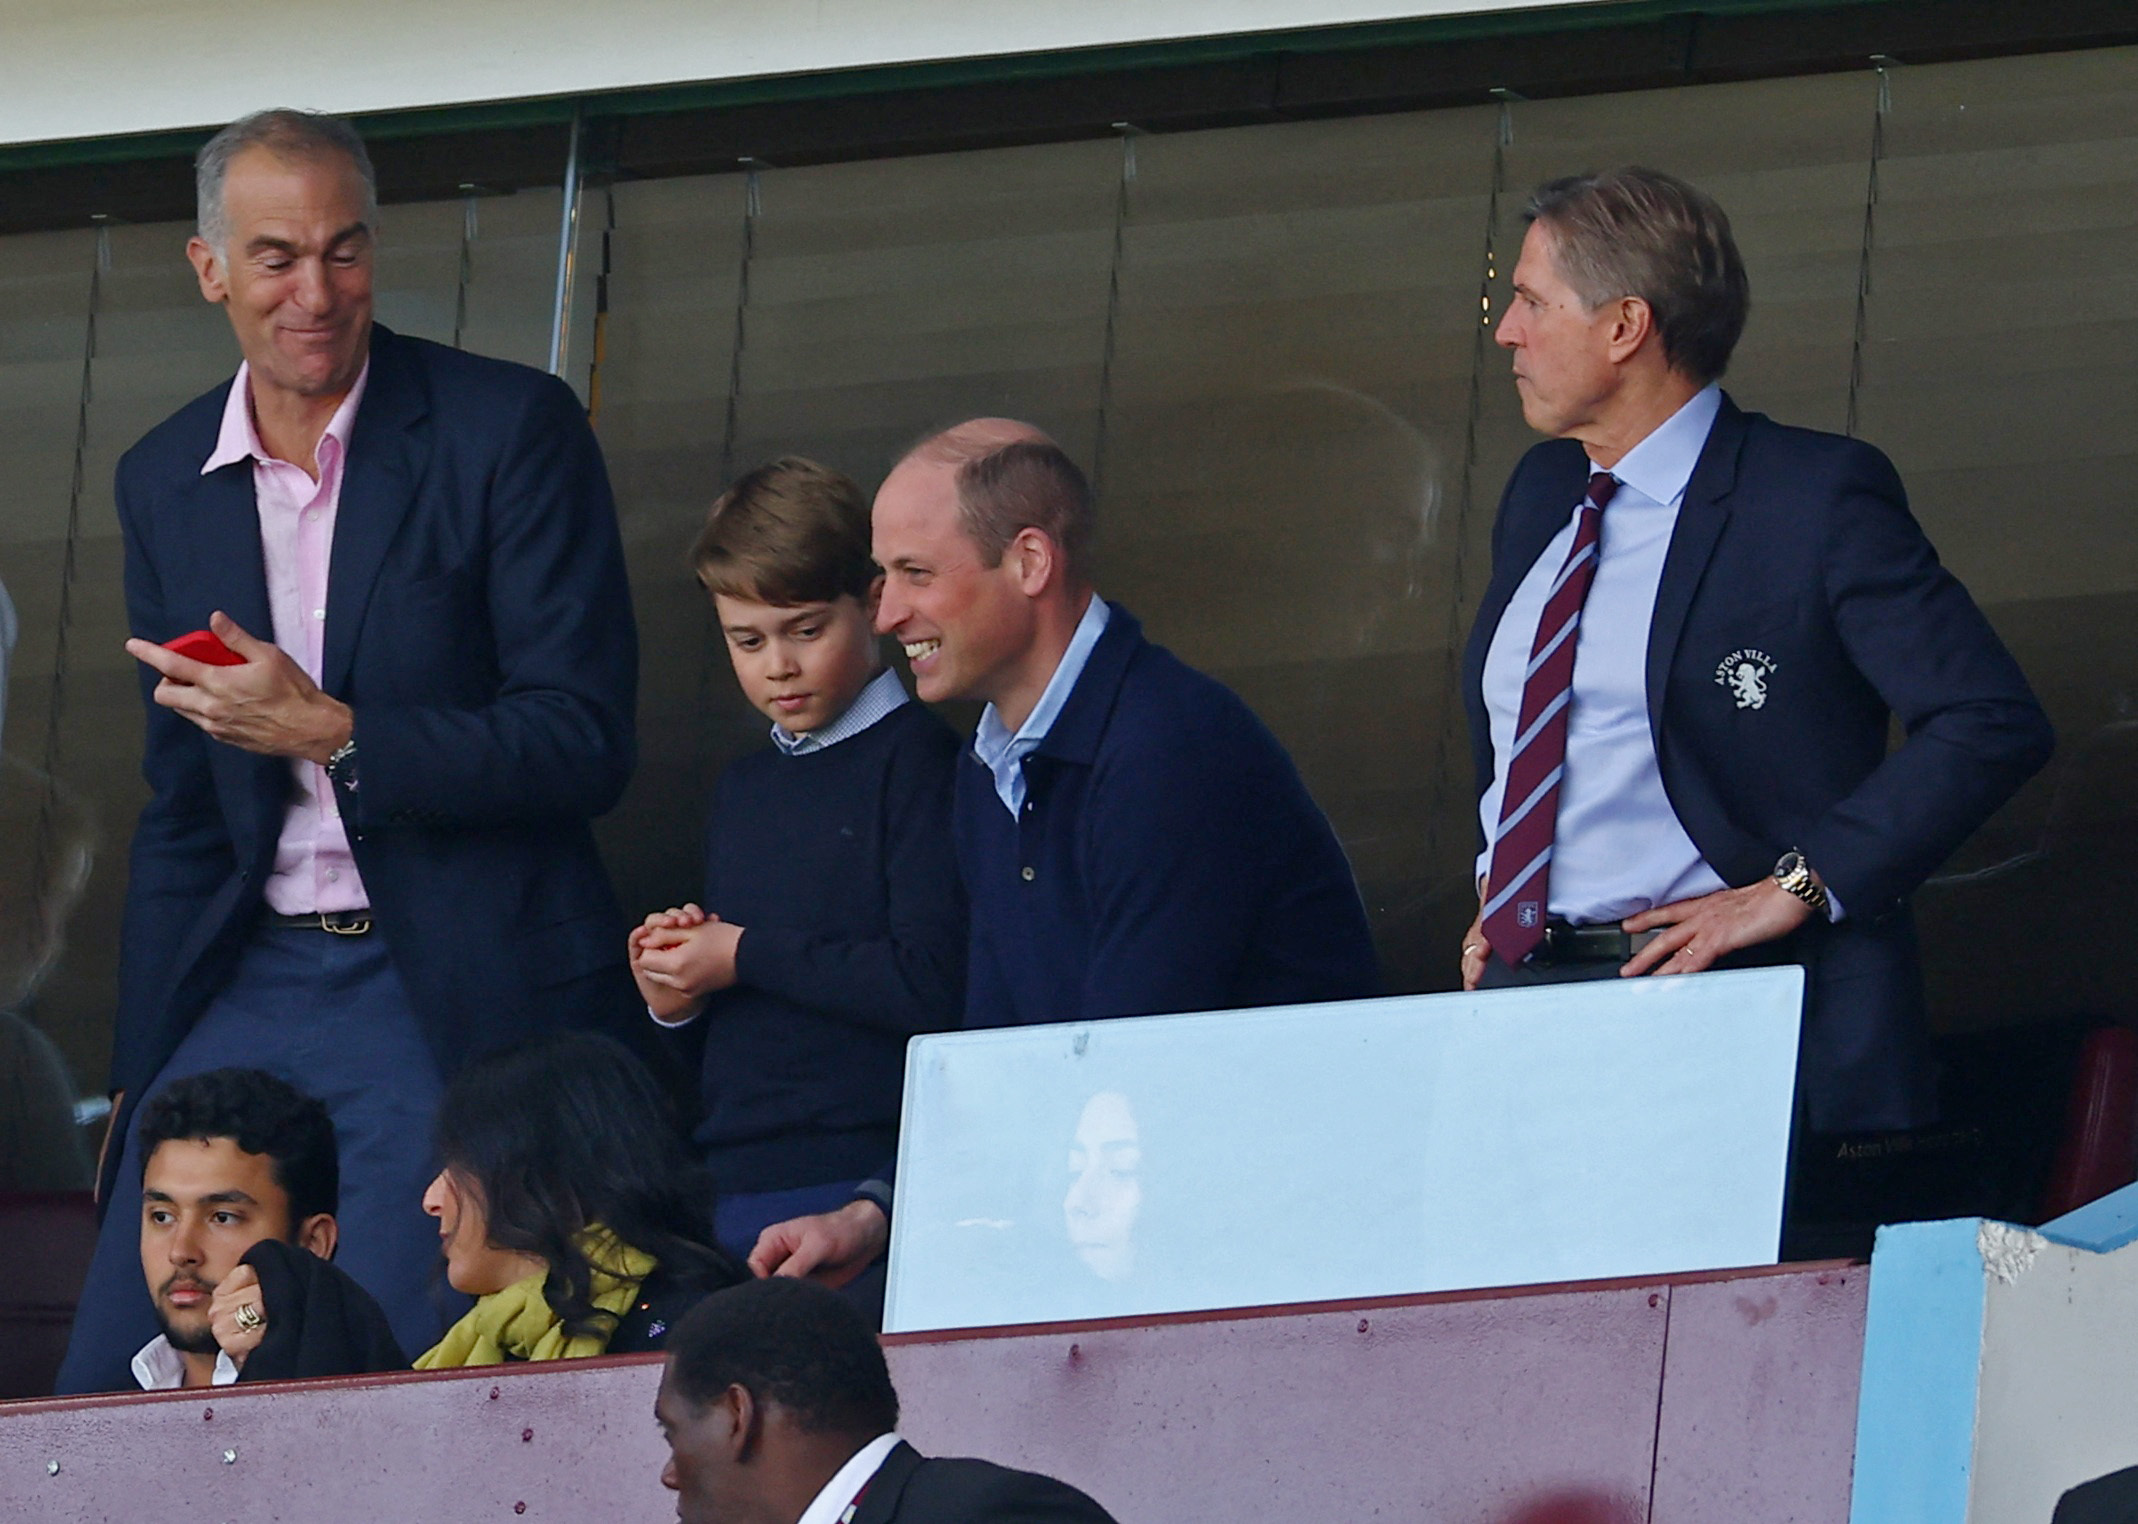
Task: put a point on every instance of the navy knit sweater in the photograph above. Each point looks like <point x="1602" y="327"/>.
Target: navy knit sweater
<point x="1168" y="859"/>
<point x="839" y="867"/>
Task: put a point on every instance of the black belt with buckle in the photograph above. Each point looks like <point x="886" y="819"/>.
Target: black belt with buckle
<point x="1605" y="943"/>
<point x="342" y="923"/>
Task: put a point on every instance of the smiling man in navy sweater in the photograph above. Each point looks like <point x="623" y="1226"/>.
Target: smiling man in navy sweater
<point x="833" y="926"/>
<point x="1132" y="839"/>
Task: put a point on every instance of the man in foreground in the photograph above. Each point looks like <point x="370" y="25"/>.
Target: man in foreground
<point x="1699" y="625"/>
<point x="778" y="1409"/>
<point x="242" y="1174"/>
<point x="1133" y="841"/>
<point x="367" y="855"/>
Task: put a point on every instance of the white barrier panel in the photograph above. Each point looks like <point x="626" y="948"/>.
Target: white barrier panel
<point x="1365" y="1148"/>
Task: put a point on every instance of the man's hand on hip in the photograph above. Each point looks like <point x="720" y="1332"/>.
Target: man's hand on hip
<point x="267" y="705"/>
<point x="1692" y="934"/>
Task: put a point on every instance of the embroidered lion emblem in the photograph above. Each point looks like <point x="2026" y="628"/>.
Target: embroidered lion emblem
<point x="1745" y="674"/>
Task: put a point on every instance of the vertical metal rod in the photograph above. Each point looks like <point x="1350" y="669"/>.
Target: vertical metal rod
<point x="1861" y="336"/>
<point x="567" y="229"/>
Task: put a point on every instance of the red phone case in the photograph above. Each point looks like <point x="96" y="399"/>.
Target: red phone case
<point x="205" y="646"/>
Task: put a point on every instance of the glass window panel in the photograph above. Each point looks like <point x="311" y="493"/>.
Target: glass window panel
<point x="1283" y="479"/>
<point x="158" y="345"/>
<point x="44" y="298"/>
<point x="665" y="352"/>
<point x="512" y="282"/>
<point x="1366" y="1148"/>
<point x="2001" y="374"/>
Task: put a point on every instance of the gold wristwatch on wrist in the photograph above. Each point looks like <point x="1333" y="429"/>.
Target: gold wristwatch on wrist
<point x="1794" y="875"/>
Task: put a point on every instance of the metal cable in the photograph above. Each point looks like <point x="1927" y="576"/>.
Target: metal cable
<point x="467" y="265"/>
<point x="1870" y="243"/>
<point x="752" y="205"/>
<point x="1438" y="814"/>
<point x="601" y="305"/>
<point x="1129" y="133"/>
<point x="48" y="807"/>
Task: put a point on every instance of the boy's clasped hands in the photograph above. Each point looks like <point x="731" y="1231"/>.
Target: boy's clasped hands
<point x="679" y="957"/>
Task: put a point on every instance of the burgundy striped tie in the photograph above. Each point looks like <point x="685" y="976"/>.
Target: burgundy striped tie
<point x="1519" y="883"/>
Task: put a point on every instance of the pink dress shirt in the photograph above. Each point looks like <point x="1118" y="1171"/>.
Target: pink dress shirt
<point x="313" y="868"/>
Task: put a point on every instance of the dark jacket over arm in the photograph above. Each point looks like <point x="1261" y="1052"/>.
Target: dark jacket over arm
<point x="1169" y="859"/>
<point x="912" y="1489"/>
<point x="319" y="1321"/>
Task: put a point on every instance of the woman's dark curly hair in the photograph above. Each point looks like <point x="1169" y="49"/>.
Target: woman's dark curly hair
<point x="570" y="1130"/>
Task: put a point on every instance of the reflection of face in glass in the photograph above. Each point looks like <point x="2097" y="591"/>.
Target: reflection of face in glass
<point x="1105" y="1186"/>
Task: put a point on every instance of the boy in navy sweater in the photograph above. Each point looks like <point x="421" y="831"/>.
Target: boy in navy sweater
<point x="833" y="925"/>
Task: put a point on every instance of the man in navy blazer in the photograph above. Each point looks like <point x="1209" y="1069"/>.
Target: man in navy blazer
<point x="367" y="855"/>
<point x="1762" y="604"/>
<point x="1132" y="839"/>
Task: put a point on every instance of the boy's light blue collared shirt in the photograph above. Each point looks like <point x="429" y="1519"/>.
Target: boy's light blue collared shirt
<point x="882" y="695"/>
<point x="1003" y="753"/>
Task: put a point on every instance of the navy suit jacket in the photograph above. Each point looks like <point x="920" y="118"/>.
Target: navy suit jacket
<point x="910" y="1488"/>
<point x="1168" y="859"/>
<point x="478" y="625"/>
<point x="1798" y="547"/>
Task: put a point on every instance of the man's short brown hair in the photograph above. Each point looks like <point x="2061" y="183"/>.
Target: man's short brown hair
<point x="1028" y="484"/>
<point x="789" y="532"/>
<point x="1639" y="232"/>
<point x="1011" y="477"/>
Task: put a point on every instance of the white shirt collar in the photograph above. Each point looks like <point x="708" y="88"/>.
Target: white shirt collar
<point x="160" y="1368"/>
<point x="880" y="697"/>
<point x="992" y="736"/>
<point x="830" y="1505"/>
<point x="1659" y="467"/>
<point x="1003" y="754"/>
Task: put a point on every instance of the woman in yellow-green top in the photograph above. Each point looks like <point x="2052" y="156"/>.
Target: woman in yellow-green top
<point x="568" y="1207"/>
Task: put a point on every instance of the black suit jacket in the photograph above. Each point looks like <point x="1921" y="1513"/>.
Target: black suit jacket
<point x="1798" y="548"/>
<point x="2111" y="1499"/>
<point x="478" y="624"/>
<point x="911" y="1489"/>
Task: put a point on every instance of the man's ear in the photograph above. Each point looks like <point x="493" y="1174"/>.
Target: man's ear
<point x="208" y="266"/>
<point x="872" y="600"/>
<point x="1632" y="324"/>
<point x="745" y="1422"/>
<point x="1036" y="559"/>
<point x="319" y="1233"/>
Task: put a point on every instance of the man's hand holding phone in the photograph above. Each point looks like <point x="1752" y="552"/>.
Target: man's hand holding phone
<point x="261" y="702"/>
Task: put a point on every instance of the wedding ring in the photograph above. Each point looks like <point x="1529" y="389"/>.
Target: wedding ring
<point x="247" y="1317"/>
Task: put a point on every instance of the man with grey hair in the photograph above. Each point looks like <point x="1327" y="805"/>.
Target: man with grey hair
<point x="367" y="855"/>
<point x="1679" y="683"/>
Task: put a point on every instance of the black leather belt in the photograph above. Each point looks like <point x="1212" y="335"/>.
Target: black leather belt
<point x="342" y="923"/>
<point x="1566" y="943"/>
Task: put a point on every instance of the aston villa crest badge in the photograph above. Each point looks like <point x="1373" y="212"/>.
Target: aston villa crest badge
<point x="1745" y="674"/>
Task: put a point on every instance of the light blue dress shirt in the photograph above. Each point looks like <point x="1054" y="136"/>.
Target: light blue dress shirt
<point x="1003" y="753"/>
<point x="882" y="695"/>
<point x="1618" y="848"/>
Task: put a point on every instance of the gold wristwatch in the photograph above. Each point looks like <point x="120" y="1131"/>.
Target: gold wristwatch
<point x="1794" y="875"/>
